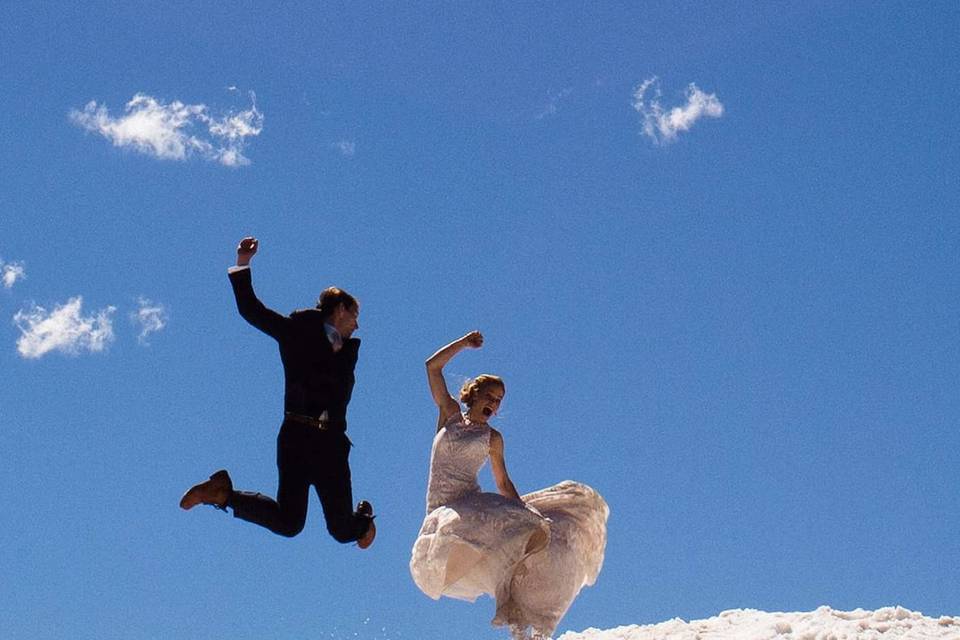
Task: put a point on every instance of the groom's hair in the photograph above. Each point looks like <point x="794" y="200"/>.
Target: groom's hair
<point x="331" y="298"/>
<point x="470" y="388"/>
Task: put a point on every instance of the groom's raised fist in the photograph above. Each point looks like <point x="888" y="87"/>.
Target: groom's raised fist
<point x="246" y="250"/>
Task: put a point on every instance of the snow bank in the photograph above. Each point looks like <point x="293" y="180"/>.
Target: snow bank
<point x="823" y="624"/>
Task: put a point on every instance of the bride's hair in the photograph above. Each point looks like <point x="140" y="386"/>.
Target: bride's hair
<point x="471" y="388"/>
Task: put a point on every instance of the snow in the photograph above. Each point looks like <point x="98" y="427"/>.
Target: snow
<point x="889" y="623"/>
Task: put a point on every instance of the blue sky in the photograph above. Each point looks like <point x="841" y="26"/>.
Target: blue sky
<point x="740" y="325"/>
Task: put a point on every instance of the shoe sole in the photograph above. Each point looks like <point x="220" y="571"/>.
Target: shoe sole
<point x="368" y="537"/>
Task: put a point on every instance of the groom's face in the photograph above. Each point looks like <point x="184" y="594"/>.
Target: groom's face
<point x="345" y="320"/>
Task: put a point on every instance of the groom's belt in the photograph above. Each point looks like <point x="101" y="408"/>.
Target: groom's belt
<point x="321" y="422"/>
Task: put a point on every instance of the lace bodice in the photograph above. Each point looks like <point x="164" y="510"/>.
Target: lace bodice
<point x="459" y="451"/>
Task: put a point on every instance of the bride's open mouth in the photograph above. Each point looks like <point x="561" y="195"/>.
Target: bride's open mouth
<point x="487" y="411"/>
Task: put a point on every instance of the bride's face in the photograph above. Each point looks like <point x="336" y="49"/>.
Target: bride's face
<point x="487" y="402"/>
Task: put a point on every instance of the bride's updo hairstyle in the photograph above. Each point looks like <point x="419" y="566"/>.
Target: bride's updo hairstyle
<point x="471" y="388"/>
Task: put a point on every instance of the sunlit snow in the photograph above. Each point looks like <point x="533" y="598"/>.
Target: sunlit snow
<point x="822" y="624"/>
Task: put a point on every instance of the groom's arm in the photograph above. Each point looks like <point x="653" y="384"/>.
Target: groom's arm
<point x="249" y="306"/>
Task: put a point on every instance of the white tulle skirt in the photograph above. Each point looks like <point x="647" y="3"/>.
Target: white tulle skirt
<point x="532" y="559"/>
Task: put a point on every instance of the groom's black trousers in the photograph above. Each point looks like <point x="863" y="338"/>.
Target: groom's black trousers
<point x="306" y="455"/>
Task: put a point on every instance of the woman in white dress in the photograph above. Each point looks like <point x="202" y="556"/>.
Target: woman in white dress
<point x="532" y="553"/>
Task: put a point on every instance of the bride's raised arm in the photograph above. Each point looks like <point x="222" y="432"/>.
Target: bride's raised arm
<point x="435" y="363"/>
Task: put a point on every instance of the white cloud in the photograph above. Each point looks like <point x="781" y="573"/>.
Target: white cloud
<point x="664" y="126"/>
<point x="11" y="272"/>
<point x="64" y="329"/>
<point x="346" y="148"/>
<point x="553" y="103"/>
<point x="150" y="317"/>
<point x="174" y="131"/>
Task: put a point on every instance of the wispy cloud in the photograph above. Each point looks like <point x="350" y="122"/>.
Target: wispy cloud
<point x="553" y="103"/>
<point x="10" y="272"/>
<point x="347" y="148"/>
<point x="664" y="126"/>
<point x="64" y="329"/>
<point x="150" y="317"/>
<point x="175" y="131"/>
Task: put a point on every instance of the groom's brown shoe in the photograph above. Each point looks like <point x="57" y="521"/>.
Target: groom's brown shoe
<point x="215" y="491"/>
<point x="365" y="509"/>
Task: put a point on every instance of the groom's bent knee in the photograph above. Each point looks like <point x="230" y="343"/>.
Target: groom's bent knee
<point x="289" y="528"/>
<point x="343" y="532"/>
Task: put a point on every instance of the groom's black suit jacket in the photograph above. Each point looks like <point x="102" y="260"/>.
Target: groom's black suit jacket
<point x="316" y="379"/>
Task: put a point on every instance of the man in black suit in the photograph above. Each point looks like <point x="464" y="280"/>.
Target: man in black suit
<point x="318" y="356"/>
